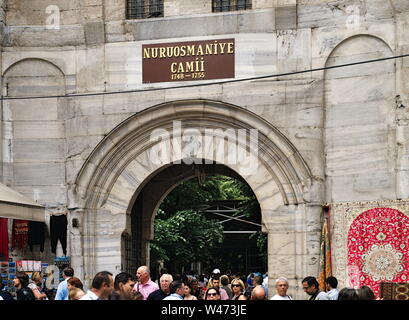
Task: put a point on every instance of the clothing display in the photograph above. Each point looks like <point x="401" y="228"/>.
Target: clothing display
<point x="36" y="236"/>
<point x="325" y="257"/>
<point x="20" y="234"/>
<point x="58" y="231"/>
<point x="4" y="240"/>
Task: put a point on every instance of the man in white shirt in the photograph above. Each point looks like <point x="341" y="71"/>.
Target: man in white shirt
<point x="102" y="287"/>
<point x="281" y="288"/>
<point x="331" y="284"/>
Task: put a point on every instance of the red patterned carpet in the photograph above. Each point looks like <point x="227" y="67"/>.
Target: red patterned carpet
<point x="378" y="248"/>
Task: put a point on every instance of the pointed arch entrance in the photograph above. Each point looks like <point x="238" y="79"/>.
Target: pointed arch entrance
<point x="127" y="158"/>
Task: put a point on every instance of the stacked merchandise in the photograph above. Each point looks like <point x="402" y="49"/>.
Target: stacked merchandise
<point x="30" y="266"/>
<point x="7" y="274"/>
<point x="62" y="263"/>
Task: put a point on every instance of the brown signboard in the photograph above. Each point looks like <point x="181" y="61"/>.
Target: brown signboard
<point x="187" y="61"/>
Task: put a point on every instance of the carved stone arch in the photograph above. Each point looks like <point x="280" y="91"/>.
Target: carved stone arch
<point x="12" y="65"/>
<point x="348" y="39"/>
<point x="37" y="76"/>
<point x="109" y="153"/>
<point x="108" y="182"/>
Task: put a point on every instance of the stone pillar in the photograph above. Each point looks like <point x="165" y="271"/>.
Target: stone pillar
<point x="402" y="156"/>
<point x="76" y="245"/>
<point x="293" y="245"/>
<point x="281" y="246"/>
<point x="402" y="105"/>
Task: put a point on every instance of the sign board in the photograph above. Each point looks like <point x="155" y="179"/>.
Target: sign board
<point x="187" y="61"/>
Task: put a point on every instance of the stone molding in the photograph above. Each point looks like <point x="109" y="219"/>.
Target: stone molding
<point x="117" y="150"/>
<point x="117" y="169"/>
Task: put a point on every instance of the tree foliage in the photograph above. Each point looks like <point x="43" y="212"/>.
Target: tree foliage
<point x="194" y="195"/>
<point x="183" y="234"/>
<point x="185" y="237"/>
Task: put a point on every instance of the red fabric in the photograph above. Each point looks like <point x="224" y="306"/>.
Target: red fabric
<point x="20" y="234"/>
<point x="378" y="248"/>
<point x="4" y="239"/>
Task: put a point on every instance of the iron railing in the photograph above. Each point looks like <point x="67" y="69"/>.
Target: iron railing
<point x="143" y="9"/>
<point x="230" y="5"/>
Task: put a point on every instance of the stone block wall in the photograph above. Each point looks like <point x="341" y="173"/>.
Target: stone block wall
<point x="365" y="143"/>
<point x="350" y="125"/>
<point x="34" y="140"/>
<point x="183" y="7"/>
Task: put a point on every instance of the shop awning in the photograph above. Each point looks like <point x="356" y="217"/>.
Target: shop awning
<point x="16" y="206"/>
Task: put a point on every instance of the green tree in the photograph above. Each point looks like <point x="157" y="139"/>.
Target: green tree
<point x="194" y="195"/>
<point x="183" y="234"/>
<point x="185" y="237"/>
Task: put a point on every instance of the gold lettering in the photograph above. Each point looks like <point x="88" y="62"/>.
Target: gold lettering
<point x="154" y="53"/>
<point x="222" y="45"/>
<point x="191" y="50"/>
<point x="197" y="65"/>
<point x="189" y="66"/>
<point x="146" y="53"/>
<point x="215" y="47"/>
<point x="180" y="68"/>
<point x="176" y="52"/>
<point x="173" y="67"/>
<point x="199" y="51"/>
<point x="169" y="52"/>
<point x="209" y="48"/>
<point x="202" y="65"/>
<point x="230" y="47"/>
<point x="162" y="52"/>
<point x="183" y="51"/>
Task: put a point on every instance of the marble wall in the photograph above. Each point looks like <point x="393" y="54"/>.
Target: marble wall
<point x="349" y="126"/>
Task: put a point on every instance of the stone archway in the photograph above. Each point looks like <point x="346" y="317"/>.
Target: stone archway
<point x="140" y="222"/>
<point x="121" y="164"/>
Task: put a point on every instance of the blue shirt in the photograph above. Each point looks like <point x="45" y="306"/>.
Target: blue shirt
<point x="174" y="296"/>
<point x="62" y="291"/>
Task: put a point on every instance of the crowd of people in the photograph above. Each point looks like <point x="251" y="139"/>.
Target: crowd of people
<point x="125" y="286"/>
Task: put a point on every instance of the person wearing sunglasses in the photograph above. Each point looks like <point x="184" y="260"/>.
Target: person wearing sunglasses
<point x="237" y="286"/>
<point x="212" y="294"/>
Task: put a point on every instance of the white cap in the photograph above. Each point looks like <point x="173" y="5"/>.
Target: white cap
<point x="216" y="271"/>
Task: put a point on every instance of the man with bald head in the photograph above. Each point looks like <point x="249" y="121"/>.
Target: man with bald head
<point x="145" y="285"/>
<point x="164" y="282"/>
<point x="258" y="293"/>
